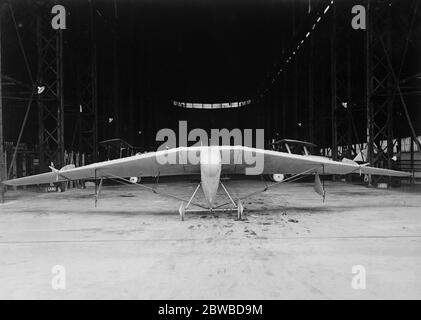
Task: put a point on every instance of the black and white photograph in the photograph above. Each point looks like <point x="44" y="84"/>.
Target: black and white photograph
<point x="210" y="155"/>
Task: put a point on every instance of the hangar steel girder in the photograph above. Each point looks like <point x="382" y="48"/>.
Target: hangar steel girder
<point x="50" y="77"/>
<point x="86" y="128"/>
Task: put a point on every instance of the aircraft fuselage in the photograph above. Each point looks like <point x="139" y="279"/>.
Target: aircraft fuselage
<point x="210" y="173"/>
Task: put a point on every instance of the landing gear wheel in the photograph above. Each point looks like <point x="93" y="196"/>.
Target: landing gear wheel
<point x="181" y="211"/>
<point x="277" y="177"/>
<point x="240" y="210"/>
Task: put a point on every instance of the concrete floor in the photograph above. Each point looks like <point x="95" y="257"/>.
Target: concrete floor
<point x="134" y="246"/>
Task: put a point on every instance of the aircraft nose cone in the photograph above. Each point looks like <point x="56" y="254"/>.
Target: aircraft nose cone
<point x="210" y="156"/>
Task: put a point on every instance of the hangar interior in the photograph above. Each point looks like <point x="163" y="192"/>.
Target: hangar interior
<point x="125" y="69"/>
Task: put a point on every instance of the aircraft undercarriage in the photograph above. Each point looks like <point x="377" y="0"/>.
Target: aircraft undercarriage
<point x="186" y="204"/>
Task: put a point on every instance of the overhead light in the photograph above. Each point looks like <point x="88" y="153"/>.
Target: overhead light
<point x="345" y="104"/>
<point x="110" y="120"/>
<point x="40" y="89"/>
<point x="327" y="8"/>
<point x="80" y="108"/>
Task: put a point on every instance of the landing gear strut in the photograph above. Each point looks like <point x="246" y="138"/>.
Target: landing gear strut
<point x="240" y="210"/>
<point x="185" y="208"/>
<point x="182" y="211"/>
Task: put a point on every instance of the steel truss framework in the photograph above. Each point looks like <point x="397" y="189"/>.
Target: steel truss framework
<point x="50" y="79"/>
<point x="380" y="63"/>
<point x="51" y="103"/>
<point x="384" y="70"/>
<point x="48" y="91"/>
<point x="86" y="128"/>
<point x="379" y="85"/>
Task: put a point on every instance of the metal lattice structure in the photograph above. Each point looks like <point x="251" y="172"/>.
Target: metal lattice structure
<point x="379" y="85"/>
<point x="87" y="120"/>
<point x="50" y="80"/>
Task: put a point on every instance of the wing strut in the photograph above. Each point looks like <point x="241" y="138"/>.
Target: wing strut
<point x="98" y="191"/>
<point x="185" y="208"/>
<point x="319" y="187"/>
<point x="192" y="197"/>
<point x="228" y="194"/>
<point x="126" y="181"/>
<point x="290" y="179"/>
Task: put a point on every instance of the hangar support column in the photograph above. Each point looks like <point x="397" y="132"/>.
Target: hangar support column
<point x="379" y="85"/>
<point x="50" y="99"/>
<point x="385" y="68"/>
<point x="87" y="122"/>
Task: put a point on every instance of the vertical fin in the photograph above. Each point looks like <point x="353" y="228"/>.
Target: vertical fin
<point x="318" y="187"/>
